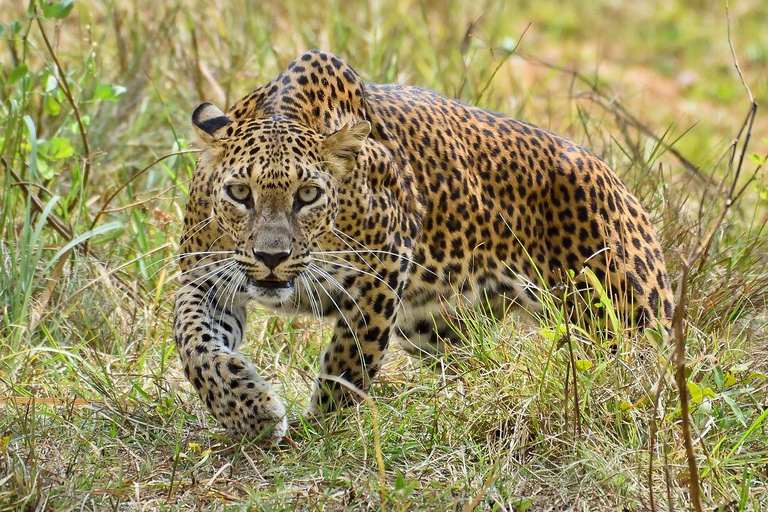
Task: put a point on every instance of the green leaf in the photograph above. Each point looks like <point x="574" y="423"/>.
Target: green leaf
<point x="625" y="406"/>
<point x="57" y="10"/>
<point x="75" y="128"/>
<point x="399" y="481"/>
<point x="44" y="170"/>
<point x="521" y="504"/>
<point x="51" y="83"/>
<point x="582" y="365"/>
<point x="33" y="143"/>
<point x="741" y="367"/>
<point x="730" y="380"/>
<point x="52" y="106"/>
<point x="655" y="336"/>
<point x="717" y="373"/>
<point x="58" y="148"/>
<point x="109" y="92"/>
<point x="15" y="26"/>
<point x="98" y="230"/>
<point x="554" y="334"/>
<point x="696" y="394"/>
<point x="18" y="73"/>
<point x="736" y="410"/>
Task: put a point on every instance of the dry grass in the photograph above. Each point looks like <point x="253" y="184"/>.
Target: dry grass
<point x="94" y="410"/>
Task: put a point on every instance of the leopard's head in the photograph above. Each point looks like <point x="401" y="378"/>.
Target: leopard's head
<point x="273" y="189"/>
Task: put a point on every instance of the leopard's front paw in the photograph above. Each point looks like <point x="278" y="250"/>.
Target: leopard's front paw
<point x="330" y="396"/>
<point x="246" y="405"/>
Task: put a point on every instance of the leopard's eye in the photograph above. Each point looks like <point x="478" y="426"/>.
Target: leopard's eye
<point x="307" y="195"/>
<point x="238" y="192"/>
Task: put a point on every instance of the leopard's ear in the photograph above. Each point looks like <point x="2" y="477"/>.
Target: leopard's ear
<point x="207" y="120"/>
<point x="343" y="145"/>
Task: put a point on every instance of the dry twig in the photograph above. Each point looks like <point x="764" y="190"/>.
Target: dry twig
<point x="61" y="78"/>
<point x="745" y="133"/>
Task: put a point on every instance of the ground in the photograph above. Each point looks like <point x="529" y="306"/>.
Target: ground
<point x="94" y="410"/>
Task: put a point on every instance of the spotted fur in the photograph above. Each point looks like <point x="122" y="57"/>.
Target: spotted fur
<point x="385" y="207"/>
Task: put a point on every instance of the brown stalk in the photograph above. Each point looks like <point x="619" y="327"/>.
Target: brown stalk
<point x="61" y="78"/>
<point x="701" y="249"/>
<point x="677" y="319"/>
<point x="569" y="341"/>
<point x="654" y="428"/>
<point x="700" y="254"/>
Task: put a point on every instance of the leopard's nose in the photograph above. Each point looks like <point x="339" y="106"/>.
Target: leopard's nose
<point x="271" y="259"/>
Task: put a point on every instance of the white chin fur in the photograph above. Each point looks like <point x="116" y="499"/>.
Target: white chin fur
<point x="270" y="297"/>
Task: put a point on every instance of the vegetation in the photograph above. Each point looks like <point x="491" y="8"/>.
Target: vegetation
<point x="95" y="413"/>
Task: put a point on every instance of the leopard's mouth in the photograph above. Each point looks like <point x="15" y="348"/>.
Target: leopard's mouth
<point x="271" y="284"/>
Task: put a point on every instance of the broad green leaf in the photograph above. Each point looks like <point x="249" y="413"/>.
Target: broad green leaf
<point x="741" y="367"/>
<point x="58" y="148"/>
<point x="73" y="126"/>
<point x="51" y="83"/>
<point x="57" y="10"/>
<point x="583" y="365"/>
<point x="696" y="394"/>
<point x="521" y="504"/>
<point x="52" y="106"/>
<point x="18" y="73"/>
<point x="730" y="380"/>
<point x="399" y="481"/>
<point x="625" y="406"/>
<point x="109" y="92"/>
<point x="44" y="170"/>
<point x="655" y="336"/>
<point x="553" y="334"/>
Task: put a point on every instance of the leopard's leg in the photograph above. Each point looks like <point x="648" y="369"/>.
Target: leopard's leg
<point x="207" y="334"/>
<point x="359" y="342"/>
<point x="427" y="329"/>
<point x="423" y="331"/>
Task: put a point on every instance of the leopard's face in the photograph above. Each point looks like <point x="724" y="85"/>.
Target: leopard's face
<point x="274" y="194"/>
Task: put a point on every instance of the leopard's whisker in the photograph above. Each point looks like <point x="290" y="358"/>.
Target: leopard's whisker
<point x="360" y="271"/>
<point x="336" y="305"/>
<point x="232" y="277"/>
<point x="365" y="248"/>
<point x="200" y="280"/>
<point x="198" y="267"/>
<point x="304" y="280"/>
<point x="352" y="251"/>
<point x="332" y="280"/>
<point x="339" y="233"/>
<point x="199" y="226"/>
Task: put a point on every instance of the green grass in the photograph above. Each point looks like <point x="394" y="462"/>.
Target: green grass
<point x="95" y="412"/>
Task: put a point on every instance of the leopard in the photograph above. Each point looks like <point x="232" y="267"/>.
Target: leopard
<point x="383" y="209"/>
